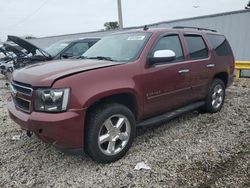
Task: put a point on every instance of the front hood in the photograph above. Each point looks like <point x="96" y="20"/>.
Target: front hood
<point x="13" y="49"/>
<point x="44" y="74"/>
<point x="31" y="48"/>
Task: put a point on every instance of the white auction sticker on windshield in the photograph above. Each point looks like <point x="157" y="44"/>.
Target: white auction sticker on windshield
<point x="136" y="38"/>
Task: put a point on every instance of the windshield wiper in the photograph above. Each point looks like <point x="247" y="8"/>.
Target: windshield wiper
<point x="98" y="57"/>
<point x="82" y="57"/>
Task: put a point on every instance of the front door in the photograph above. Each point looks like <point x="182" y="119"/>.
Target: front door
<point x="166" y="85"/>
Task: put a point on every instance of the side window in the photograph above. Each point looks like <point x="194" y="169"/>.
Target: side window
<point x="171" y="42"/>
<point x="220" y="45"/>
<point x="92" y="43"/>
<point x="78" y="48"/>
<point x="196" y="47"/>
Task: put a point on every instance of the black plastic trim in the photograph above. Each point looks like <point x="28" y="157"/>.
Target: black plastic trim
<point x="170" y="115"/>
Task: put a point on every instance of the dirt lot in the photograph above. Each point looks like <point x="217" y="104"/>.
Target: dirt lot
<point x="194" y="150"/>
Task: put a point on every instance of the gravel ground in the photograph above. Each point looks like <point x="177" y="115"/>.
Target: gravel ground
<point x="194" y="150"/>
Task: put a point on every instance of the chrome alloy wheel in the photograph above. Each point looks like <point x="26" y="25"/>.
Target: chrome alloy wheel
<point x="217" y="96"/>
<point x="114" y="134"/>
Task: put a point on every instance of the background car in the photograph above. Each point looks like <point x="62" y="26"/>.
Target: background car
<point x="25" y="53"/>
<point x="70" y="48"/>
<point x="10" y="54"/>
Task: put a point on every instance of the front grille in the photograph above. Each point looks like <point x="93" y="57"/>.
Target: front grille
<point x="21" y="95"/>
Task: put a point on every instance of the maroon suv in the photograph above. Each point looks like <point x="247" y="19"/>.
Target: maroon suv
<point x="128" y="79"/>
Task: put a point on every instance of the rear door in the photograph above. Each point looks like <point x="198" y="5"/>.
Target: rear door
<point x="223" y="55"/>
<point x="201" y="65"/>
<point x="166" y="84"/>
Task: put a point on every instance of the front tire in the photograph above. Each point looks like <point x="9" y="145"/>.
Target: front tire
<point x="216" y="96"/>
<point x="109" y="133"/>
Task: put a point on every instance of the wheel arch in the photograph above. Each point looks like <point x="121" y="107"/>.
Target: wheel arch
<point x="126" y="97"/>
<point x="222" y="76"/>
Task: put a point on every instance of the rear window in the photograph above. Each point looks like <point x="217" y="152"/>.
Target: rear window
<point x="196" y="47"/>
<point x="220" y="45"/>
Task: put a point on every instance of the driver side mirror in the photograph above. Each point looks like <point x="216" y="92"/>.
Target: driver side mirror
<point x="67" y="55"/>
<point x="161" y="56"/>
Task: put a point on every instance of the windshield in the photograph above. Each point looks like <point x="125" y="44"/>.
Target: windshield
<point x="119" y="47"/>
<point x="57" y="47"/>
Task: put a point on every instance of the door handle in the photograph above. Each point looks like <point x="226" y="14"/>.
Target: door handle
<point x="183" y="71"/>
<point x="210" y="65"/>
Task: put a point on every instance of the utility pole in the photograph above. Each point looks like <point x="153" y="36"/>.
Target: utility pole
<point x="119" y="4"/>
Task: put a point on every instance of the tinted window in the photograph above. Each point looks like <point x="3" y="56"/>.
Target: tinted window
<point x="196" y="47"/>
<point x="220" y="44"/>
<point x="171" y="42"/>
<point x="78" y="48"/>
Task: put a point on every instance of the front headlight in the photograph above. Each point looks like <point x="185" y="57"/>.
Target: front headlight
<point x="52" y="100"/>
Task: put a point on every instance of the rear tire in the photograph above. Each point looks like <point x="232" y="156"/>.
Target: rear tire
<point x="109" y="132"/>
<point x="216" y="96"/>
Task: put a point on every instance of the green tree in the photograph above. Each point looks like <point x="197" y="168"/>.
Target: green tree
<point x="111" y="25"/>
<point x="28" y="37"/>
<point x="248" y="5"/>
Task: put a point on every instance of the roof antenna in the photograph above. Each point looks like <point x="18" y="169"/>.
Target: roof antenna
<point x="145" y="28"/>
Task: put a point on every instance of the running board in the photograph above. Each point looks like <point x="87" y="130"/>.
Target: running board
<point x="170" y="115"/>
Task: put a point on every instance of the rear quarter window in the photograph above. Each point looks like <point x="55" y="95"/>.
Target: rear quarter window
<point x="220" y="45"/>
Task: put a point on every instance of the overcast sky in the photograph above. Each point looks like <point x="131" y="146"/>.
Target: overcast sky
<point x="54" y="17"/>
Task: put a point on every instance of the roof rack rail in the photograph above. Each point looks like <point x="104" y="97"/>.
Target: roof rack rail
<point x="198" y="28"/>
